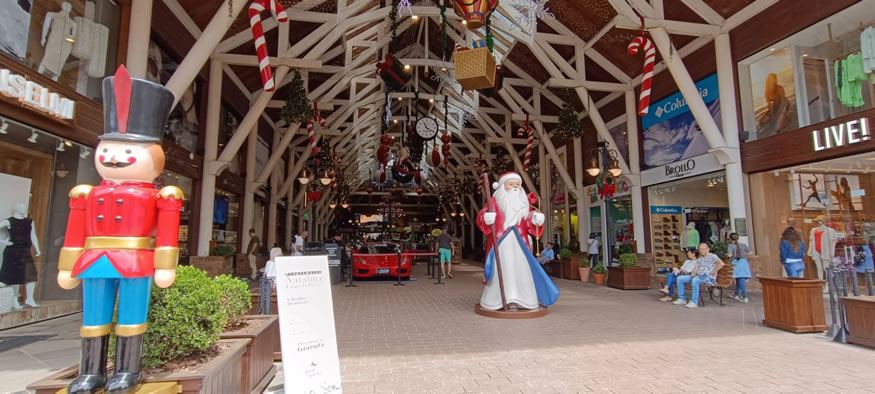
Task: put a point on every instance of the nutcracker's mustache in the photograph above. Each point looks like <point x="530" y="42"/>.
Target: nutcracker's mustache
<point x="117" y="164"/>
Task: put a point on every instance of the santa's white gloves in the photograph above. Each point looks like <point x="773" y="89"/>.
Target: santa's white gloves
<point x="489" y="218"/>
<point x="538" y="219"/>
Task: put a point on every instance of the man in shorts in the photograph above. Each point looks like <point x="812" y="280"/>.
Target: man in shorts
<point x="445" y="249"/>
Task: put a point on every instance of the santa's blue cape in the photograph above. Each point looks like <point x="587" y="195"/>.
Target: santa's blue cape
<point x="547" y="291"/>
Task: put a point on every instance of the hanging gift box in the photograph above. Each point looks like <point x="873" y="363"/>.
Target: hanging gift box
<point x="393" y="73"/>
<point x="474" y="11"/>
<point x="475" y="68"/>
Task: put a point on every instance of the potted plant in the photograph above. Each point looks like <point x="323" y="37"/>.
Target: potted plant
<point x="261" y="333"/>
<point x="629" y="276"/>
<point x="598" y="274"/>
<point x="583" y="269"/>
<point x="217" y="263"/>
<point x="568" y="265"/>
<point x="181" y="346"/>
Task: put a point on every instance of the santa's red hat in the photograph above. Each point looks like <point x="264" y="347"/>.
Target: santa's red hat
<point x="506" y="177"/>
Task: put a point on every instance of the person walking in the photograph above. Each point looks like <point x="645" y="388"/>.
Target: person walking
<point x="592" y="246"/>
<point x="268" y="282"/>
<point x="445" y="249"/>
<point x="738" y="251"/>
<point x="298" y="246"/>
<point x="252" y="253"/>
<point x="792" y="249"/>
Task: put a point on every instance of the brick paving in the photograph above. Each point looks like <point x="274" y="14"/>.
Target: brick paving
<point x="423" y="338"/>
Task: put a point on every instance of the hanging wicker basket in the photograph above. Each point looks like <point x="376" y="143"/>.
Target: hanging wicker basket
<point x="475" y="68"/>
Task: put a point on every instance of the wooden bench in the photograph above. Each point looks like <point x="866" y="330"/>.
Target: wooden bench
<point x="724" y="281"/>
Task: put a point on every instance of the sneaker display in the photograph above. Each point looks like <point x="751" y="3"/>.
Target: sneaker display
<point x="679" y="301"/>
<point x="692" y="305"/>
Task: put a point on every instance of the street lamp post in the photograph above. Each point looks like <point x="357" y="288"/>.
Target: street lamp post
<point x="610" y="165"/>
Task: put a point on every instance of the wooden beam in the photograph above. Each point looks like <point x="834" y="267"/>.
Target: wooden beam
<point x="252" y="60"/>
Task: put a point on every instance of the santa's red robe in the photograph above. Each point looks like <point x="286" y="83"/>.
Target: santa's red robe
<point x="525" y="227"/>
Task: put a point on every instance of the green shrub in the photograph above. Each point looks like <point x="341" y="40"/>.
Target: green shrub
<point x="720" y="248"/>
<point x="236" y="298"/>
<point x="583" y="263"/>
<point x="183" y="318"/>
<point x="599" y="269"/>
<point x="628" y="260"/>
<point x="222" y="250"/>
<point x="565" y="253"/>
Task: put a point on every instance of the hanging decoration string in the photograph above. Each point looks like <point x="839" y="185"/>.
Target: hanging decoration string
<point x="490" y="40"/>
<point x="393" y="17"/>
<point x="444" y="30"/>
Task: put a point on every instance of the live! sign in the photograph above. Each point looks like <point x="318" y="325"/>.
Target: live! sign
<point x="846" y="133"/>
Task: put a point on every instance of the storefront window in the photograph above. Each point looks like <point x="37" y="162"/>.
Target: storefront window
<point x="838" y="193"/>
<point x="182" y="127"/>
<point x="37" y="171"/>
<point x="815" y="75"/>
<point x="169" y="178"/>
<point x="226" y="211"/>
<point x="72" y="42"/>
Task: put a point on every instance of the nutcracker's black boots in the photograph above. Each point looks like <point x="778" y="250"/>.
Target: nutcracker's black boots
<point x="92" y="367"/>
<point x="128" y="351"/>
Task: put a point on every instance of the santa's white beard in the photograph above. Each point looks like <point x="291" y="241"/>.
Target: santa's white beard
<point x="514" y="205"/>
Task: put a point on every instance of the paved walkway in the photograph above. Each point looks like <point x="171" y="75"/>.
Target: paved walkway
<point x="426" y="338"/>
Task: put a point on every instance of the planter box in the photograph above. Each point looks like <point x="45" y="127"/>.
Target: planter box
<point x="794" y="305"/>
<point x="258" y="368"/>
<point x="215" y="377"/>
<point x="571" y="271"/>
<point x="637" y="278"/>
<point x="212" y="265"/>
<point x="860" y="313"/>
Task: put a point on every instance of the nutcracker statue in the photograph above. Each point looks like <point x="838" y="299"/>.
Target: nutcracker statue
<point x="122" y="234"/>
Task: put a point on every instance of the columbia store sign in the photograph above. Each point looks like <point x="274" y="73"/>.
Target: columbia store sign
<point x="682" y="169"/>
<point x="35" y="96"/>
<point x="676" y="105"/>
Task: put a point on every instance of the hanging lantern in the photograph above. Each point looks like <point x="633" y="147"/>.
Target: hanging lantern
<point x="474" y="11"/>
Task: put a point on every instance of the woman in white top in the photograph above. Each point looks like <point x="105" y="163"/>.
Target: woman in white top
<point x="268" y="282"/>
<point x="593" y="248"/>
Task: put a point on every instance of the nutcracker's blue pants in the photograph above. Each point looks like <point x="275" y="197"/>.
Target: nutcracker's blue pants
<point x="100" y="284"/>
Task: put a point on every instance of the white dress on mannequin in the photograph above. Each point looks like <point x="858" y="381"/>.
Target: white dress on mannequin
<point x="59" y="33"/>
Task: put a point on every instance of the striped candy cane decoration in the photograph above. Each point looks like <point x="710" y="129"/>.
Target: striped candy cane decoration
<point x="527" y="131"/>
<point x="278" y="12"/>
<point x="647" y="78"/>
<point x="313" y="148"/>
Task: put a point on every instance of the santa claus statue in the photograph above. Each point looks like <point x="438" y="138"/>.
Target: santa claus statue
<point x="508" y="223"/>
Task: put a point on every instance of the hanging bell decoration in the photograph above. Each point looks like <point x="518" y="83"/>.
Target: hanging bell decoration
<point x="474" y="11"/>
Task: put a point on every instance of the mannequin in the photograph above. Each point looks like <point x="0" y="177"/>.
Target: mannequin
<point x="59" y="32"/>
<point x="725" y="230"/>
<point x="690" y="236"/>
<point x="821" y="245"/>
<point x="18" y="267"/>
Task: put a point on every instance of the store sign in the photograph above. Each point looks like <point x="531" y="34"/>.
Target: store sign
<point x="307" y="331"/>
<point x="682" y="169"/>
<point x="35" y="96"/>
<point x="846" y="133"/>
<point x="662" y="210"/>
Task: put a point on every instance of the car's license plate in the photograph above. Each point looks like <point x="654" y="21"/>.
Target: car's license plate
<point x="383" y="271"/>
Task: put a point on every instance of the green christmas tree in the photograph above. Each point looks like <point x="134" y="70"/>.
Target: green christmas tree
<point x="569" y="125"/>
<point x="297" y="108"/>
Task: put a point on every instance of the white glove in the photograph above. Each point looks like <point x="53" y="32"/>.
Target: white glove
<point x="489" y="218"/>
<point x="538" y="219"/>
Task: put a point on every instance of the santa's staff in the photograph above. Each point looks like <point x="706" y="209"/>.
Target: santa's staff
<point x="495" y="237"/>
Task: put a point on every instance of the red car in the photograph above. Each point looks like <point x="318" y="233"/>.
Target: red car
<point x="377" y="260"/>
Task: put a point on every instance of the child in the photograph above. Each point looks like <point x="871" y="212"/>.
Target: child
<point x="741" y="271"/>
<point x="671" y="278"/>
<point x="267" y="282"/>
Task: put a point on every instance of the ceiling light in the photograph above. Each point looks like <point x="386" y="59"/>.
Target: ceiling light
<point x="395" y="121"/>
<point x="304" y="178"/>
<point x="773" y="49"/>
<point x="68" y="143"/>
<point x="431" y="100"/>
<point x="461" y="213"/>
<point x="325" y="180"/>
<point x="332" y="205"/>
<point x="60" y="147"/>
<point x="804" y="55"/>
<point x="400" y="98"/>
<point x="406" y="67"/>
<point x="345" y="205"/>
<point x="464" y="23"/>
<point x="33" y="137"/>
<point x="415" y="18"/>
<point x="593" y="167"/>
<point x="4" y="127"/>
<point x="615" y="169"/>
<point x="444" y="69"/>
<point x="453" y="214"/>
<point x="85" y="152"/>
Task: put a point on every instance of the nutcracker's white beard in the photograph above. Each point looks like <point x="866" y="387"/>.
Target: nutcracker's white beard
<point x="514" y="204"/>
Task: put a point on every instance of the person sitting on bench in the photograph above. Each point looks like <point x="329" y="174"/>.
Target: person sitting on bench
<point x="705" y="273"/>
<point x="671" y="279"/>
<point x="547" y="255"/>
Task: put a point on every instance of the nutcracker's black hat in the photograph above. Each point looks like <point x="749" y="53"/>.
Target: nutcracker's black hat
<point x="134" y="110"/>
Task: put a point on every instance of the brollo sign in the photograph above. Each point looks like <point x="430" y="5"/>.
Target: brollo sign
<point x="693" y="166"/>
<point x="35" y="95"/>
<point x="850" y="132"/>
